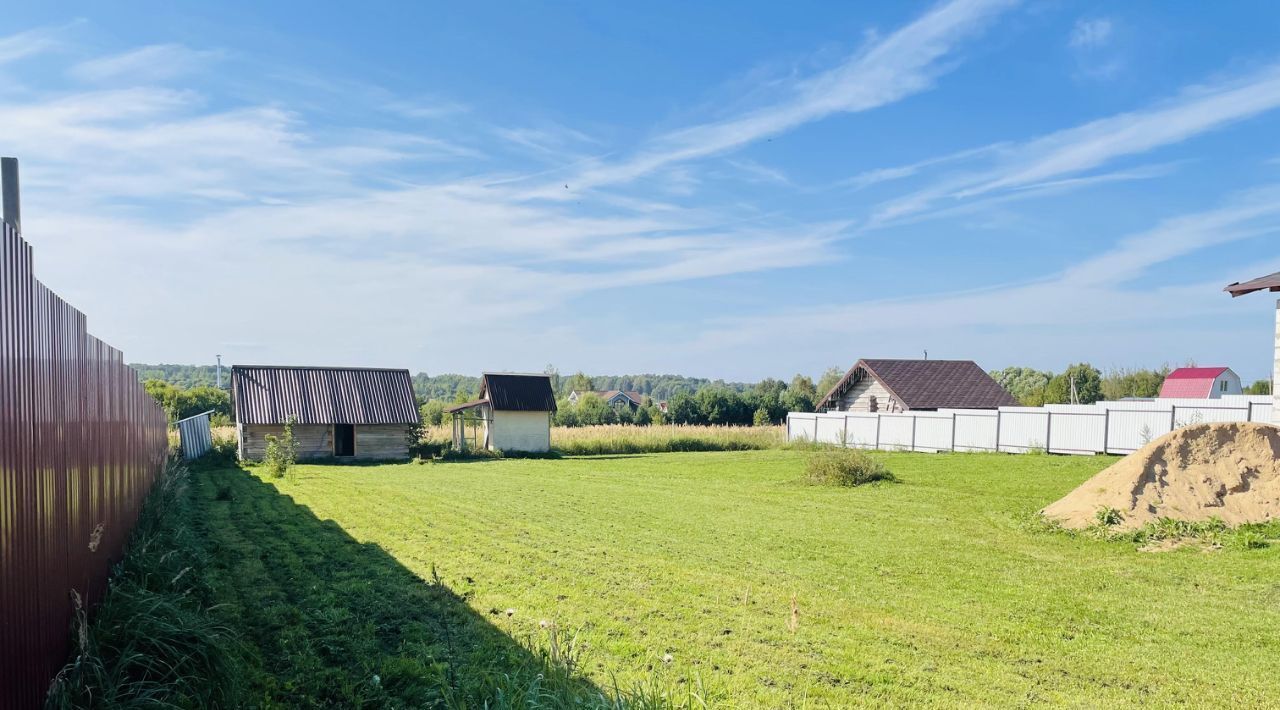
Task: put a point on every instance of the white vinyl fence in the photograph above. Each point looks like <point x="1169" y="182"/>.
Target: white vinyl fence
<point x="1106" y="427"/>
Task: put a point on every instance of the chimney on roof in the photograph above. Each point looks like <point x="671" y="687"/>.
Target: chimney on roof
<point x="9" y="188"/>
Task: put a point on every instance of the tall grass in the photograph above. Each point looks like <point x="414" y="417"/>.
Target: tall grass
<point x="625" y="439"/>
<point x="601" y="439"/>
<point x="153" y="640"/>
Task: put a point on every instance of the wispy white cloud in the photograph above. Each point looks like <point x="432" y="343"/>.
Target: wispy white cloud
<point x="903" y="63"/>
<point x="1070" y="152"/>
<point x="1090" y="33"/>
<point x="29" y="43"/>
<point x="1075" y="304"/>
<point x="144" y="65"/>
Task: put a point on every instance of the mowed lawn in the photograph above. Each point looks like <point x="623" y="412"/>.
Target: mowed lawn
<point x="935" y="590"/>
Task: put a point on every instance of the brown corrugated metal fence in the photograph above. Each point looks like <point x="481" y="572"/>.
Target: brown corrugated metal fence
<point x="80" y="444"/>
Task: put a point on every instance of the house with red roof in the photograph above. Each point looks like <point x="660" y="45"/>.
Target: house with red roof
<point x="1201" y="383"/>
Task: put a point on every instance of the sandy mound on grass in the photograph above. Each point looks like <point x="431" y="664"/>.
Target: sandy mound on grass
<point x="1228" y="471"/>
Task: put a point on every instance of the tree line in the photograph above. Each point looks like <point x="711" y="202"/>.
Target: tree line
<point x="185" y="390"/>
<point x="1034" y="388"/>
<point x="712" y="402"/>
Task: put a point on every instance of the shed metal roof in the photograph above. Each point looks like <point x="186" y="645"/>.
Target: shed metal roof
<point x="519" y="393"/>
<point x="928" y="384"/>
<point x="268" y="394"/>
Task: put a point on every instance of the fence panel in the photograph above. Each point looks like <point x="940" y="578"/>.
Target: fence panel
<point x="1131" y="429"/>
<point x="1106" y="427"/>
<point x="196" y="436"/>
<point x="862" y="430"/>
<point x="829" y="429"/>
<point x="1023" y="429"/>
<point x="1186" y="416"/>
<point x="897" y="431"/>
<point x="801" y="427"/>
<point x="1077" y="432"/>
<point x="80" y="444"/>
<point x="933" y="433"/>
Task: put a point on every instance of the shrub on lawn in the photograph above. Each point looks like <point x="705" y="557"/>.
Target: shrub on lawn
<point x="846" y="467"/>
<point x="282" y="452"/>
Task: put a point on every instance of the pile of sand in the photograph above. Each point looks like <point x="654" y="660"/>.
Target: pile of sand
<point x="1227" y="471"/>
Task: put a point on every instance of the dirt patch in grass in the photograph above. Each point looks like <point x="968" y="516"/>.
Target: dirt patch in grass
<point x="1224" y="472"/>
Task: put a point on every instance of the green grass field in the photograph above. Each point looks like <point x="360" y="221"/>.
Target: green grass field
<point x="937" y="590"/>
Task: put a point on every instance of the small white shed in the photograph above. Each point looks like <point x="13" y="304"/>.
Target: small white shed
<point x="513" y="413"/>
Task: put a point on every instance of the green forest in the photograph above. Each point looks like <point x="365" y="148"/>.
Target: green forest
<point x="184" y="390"/>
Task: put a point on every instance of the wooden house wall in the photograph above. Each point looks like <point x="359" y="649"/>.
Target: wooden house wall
<point x="858" y="398"/>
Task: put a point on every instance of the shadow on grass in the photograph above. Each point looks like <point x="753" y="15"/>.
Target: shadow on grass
<point x="333" y="622"/>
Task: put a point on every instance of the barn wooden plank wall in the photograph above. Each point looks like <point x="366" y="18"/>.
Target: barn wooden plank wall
<point x="80" y="444"/>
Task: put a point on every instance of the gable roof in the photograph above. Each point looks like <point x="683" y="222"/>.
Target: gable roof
<point x="268" y="394"/>
<point x="518" y="393"/>
<point x="927" y="384"/>
<point x="1191" y="381"/>
<point x="1270" y="282"/>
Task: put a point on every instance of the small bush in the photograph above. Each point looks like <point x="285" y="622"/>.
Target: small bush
<point x="846" y="467"/>
<point x="282" y="452"/>
<point x="1108" y="516"/>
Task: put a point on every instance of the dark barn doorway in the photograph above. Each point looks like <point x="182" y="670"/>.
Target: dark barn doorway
<point x="344" y="440"/>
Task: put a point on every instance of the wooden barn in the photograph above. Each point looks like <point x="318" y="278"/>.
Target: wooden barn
<point x="343" y="412"/>
<point x="513" y="413"/>
<point x="915" y="385"/>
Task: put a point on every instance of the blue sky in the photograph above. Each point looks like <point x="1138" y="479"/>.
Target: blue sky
<point x="741" y="191"/>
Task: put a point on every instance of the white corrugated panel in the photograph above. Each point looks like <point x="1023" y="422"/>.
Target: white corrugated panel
<point x="1262" y="413"/>
<point x="1186" y="416"/>
<point x="933" y="433"/>
<point x="195" y="436"/>
<point x="1023" y="429"/>
<point x="895" y="431"/>
<point x="830" y="429"/>
<point x="975" y="432"/>
<point x="1130" y="429"/>
<point x="862" y="430"/>
<point x="1077" y="432"/>
<point x="800" y="426"/>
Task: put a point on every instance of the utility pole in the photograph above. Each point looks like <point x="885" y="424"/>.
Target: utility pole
<point x="219" y="371"/>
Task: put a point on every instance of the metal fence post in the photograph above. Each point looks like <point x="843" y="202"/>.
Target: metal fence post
<point x="1173" y="417"/>
<point x="913" y="432"/>
<point x="1106" y="428"/>
<point x="844" y="434"/>
<point x="877" y="445"/>
<point x="998" y="413"/>
<point x="1048" y="429"/>
<point x="953" y="431"/>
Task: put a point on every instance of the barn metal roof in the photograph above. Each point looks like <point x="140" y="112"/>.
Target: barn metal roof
<point x="1270" y="282"/>
<point x="928" y="384"/>
<point x="267" y="394"/>
<point x="519" y="393"/>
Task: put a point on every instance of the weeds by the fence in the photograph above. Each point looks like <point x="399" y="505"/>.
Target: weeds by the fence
<point x="154" y="641"/>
